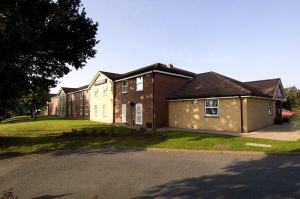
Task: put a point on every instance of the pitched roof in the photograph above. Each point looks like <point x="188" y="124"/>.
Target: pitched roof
<point x="112" y="76"/>
<point x="68" y="90"/>
<point x="212" y="84"/>
<point x="160" y="67"/>
<point x="52" y="95"/>
<point x="268" y="87"/>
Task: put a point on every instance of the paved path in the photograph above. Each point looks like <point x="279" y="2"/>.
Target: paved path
<point x="285" y="132"/>
<point x="110" y="173"/>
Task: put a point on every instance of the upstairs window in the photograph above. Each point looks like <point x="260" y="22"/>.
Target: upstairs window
<point x="139" y="84"/>
<point x="96" y="93"/>
<point x="124" y="86"/>
<point x="81" y="95"/>
<point x="212" y="107"/>
<point x="105" y="90"/>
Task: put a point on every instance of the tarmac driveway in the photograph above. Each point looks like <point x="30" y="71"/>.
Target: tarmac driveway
<point x="112" y="173"/>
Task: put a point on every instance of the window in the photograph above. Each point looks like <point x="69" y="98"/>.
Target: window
<point x="96" y="93"/>
<point x="104" y="111"/>
<point x="81" y="95"/>
<point x="139" y="84"/>
<point x="87" y="111"/>
<point x="124" y="86"/>
<point x="74" y="111"/>
<point x="212" y="107"/>
<point x="95" y="110"/>
<point x="105" y="90"/>
<point x="81" y="109"/>
<point x="270" y="109"/>
<point x="138" y="114"/>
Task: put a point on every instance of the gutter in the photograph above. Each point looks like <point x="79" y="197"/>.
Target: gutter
<point x="242" y="114"/>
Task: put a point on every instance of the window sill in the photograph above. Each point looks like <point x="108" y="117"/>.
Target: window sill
<point x="212" y="116"/>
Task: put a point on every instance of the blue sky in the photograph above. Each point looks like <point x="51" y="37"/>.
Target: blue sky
<point x="243" y="39"/>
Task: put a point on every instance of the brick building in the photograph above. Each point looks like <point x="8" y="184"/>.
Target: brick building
<point x="140" y="98"/>
<point x="77" y="103"/>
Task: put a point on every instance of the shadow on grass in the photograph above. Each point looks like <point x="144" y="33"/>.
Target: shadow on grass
<point x="88" y="138"/>
<point x="53" y="196"/>
<point x="270" y="177"/>
<point x="29" y="119"/>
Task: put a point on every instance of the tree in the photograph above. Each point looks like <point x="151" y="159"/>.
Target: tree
<point x="293" y="98"/>
<point x="41" y="41"/>
<point x="33" y="101"/>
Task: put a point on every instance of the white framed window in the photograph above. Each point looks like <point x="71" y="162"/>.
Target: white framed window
<point x="270" y="109"/>
<point x="139" y="83"/>
<point x="87" y="111"/>
<point x="81" y="109"/>
<point x="96" y="93"/>
<point x="212" y="107"/>
<point x="74" y="110"/>
<point x="63" y="109"/>
<point x="95" y="110"/>
<point x="124" y="86"/>
<point x="139" y="114"/>
<point x="81" y="95"/>
<point x="104" y="110"/>
<point x="105" y="88"/>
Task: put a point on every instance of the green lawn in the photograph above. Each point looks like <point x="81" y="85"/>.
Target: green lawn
<point x="23" y="135"/>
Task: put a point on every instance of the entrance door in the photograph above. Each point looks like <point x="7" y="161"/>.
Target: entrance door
<point x="123" y="113"/>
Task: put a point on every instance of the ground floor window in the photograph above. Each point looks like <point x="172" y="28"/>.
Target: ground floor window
<point x="81" y="109"/>
<point x="87" y="111"/>
<point x="212" y="107"/>
<point x="74" y="110"/>
<point x="270" y="109"/>
<point x="95" y="110"/>
<point x="139" y="114"/>
<point x="104" y="110"/>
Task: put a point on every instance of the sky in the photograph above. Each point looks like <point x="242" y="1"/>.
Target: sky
<point x="244" y="39"/>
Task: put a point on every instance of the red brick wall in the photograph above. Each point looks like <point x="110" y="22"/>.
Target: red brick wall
<point x="164" y="85"/>
<point x="145" y="97"/>
<point x="74" y="103"/>
<point x="155" y="110"/>
<point x="53" y="106"/>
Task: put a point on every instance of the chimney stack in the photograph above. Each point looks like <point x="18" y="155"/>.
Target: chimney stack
<point x="169" y="65"/>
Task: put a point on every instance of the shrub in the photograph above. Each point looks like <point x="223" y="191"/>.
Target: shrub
<point x="8" y="194"/>
<point x="278" y="120"/>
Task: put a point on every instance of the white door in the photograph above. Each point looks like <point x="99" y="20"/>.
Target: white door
<point x="139" y="114"/>
<point x="123" y="113"/>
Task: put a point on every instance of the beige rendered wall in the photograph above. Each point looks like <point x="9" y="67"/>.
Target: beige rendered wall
<point x="185" y="114"/>
<point x="258" y="113"/>
<point x="62" y="105"/>
<point x="101" y="100"/>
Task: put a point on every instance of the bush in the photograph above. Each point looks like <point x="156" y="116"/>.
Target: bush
<point x="278" y="120"/>
<point x="8" y="194"/>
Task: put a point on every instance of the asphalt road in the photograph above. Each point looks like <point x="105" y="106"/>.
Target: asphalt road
<point x="124" y="173"/>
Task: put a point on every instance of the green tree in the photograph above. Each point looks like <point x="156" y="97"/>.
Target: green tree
<point x="41" y="41"/>
<point x="293" y="98"/>
<point x="33" y="101"/>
